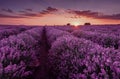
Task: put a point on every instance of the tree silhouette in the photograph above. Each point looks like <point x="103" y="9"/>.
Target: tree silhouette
<point x="87" y="24"/>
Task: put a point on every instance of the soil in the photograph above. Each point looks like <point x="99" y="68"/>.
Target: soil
<point x="42" y="71"/>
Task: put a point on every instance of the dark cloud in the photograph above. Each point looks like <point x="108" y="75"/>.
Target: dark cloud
<point x="48" y="10"/>
<point x="23" y="11"/>
<point x="96" y="15"/>
<point x="86" y="13"/>
<point x="52" y="9"/>
<point x="26" y="13"/>
<point x="28" y="9"/>
<point x="44" y="12"/>
<point x="7" y="10"/>
<point x="114" y="16"/>
<point x="10" y="16"/>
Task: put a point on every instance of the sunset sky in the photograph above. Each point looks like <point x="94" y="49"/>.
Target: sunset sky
<point x="59" y="12"/>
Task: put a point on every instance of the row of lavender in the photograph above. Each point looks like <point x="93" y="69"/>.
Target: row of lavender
<point x="104" y="29"/>
<point x="4" y="33"/>
<point x="77" y="58"/>
<point x="106" y="40"/>
<point x="18" y="54"/>
<point x="106" y="36"/>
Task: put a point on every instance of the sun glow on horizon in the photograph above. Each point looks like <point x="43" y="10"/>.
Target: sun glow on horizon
<point x="76" y="24"/>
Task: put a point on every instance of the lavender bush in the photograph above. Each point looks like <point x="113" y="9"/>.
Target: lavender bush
<point x="103" y="39"/>
<point x="14" y="63"/>
<point x="18" y="53"/>
<point x="73" y="58"/>
<point x="65" y="28"/>
<point x="52" y="34"/>
<point x="7" y="32"/>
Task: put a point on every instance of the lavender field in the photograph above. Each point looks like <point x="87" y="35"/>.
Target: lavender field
<point x="60" y="52"/>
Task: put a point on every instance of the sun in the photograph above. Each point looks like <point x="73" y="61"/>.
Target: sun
<point x="76" y="24"/>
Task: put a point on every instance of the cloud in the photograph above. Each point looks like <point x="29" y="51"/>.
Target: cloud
<point x="48" y="10"/>
<point x="7" y="10"/>
<point x="10" y="16"/>
<point x="28" y="9"/>
<point x="114" y="16"/>
<point x="28" y="14"/>
<point x="86" y="13"/>
<point x="52" y="9"/>
<point x="96" y="15"/>
<point x="23" y="11"/>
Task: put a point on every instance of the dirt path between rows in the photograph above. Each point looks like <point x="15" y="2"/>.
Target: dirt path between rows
<point x="42" y="72"/>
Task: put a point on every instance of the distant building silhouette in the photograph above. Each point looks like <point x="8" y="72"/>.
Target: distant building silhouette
<point x="87" y="24"/>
